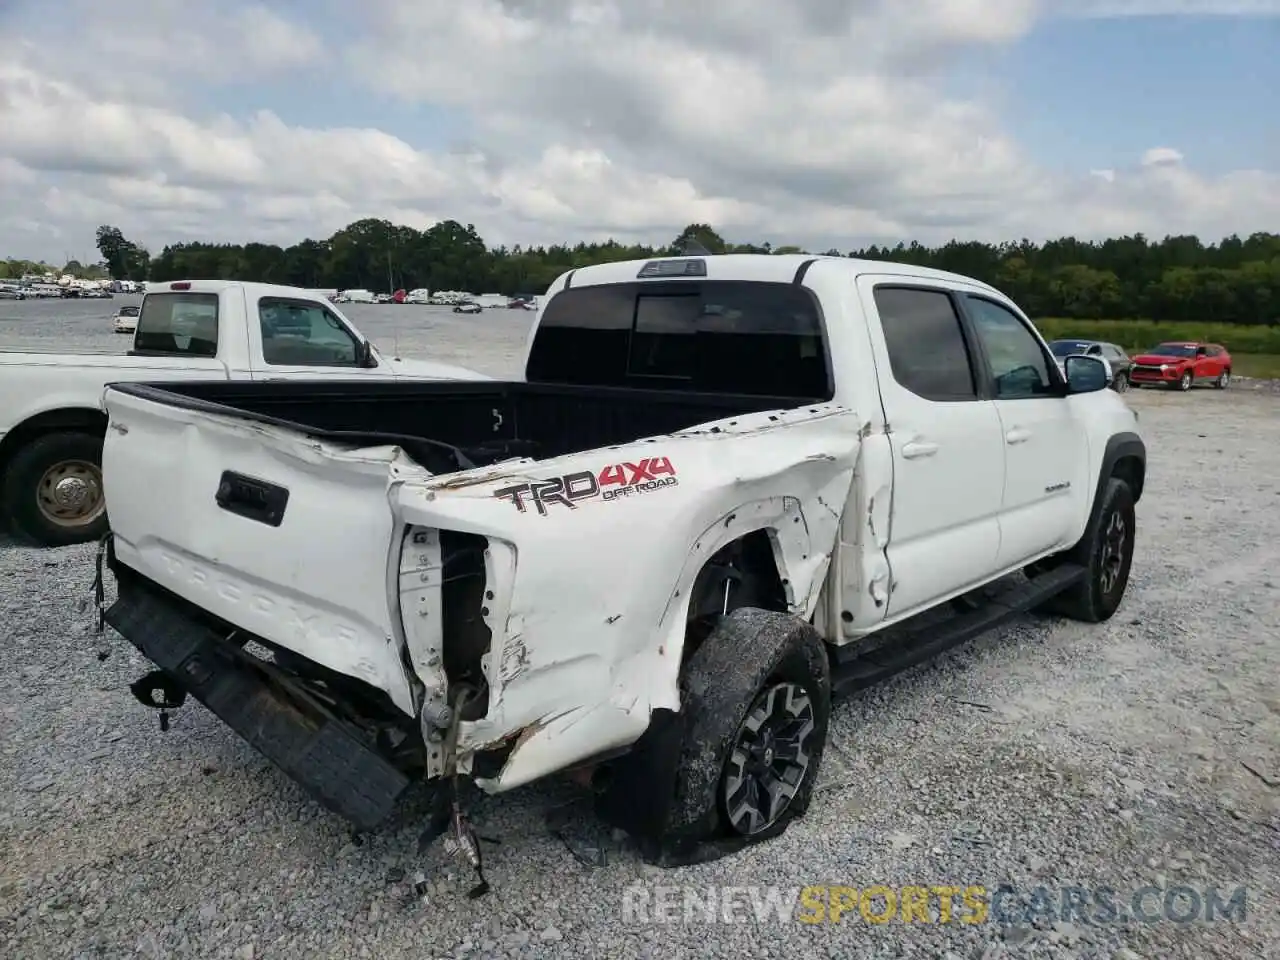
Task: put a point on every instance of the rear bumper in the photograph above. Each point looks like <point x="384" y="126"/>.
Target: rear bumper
<point x="328" y="757"/>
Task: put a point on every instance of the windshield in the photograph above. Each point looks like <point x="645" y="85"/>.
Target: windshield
<point x="128" y="311"/>
<point x="1174" y="350"/>
<point x="1065" y="348"/>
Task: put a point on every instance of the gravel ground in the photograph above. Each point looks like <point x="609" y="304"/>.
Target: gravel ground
<point x="1142" y="752"/>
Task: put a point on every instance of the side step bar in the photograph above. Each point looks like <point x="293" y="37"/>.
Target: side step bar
<point x="860" y="669"/>
<point x="321" y="753"/>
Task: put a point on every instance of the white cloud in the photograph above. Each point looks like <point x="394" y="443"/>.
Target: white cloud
<point x="824" y="122"/>
<point x="143" y="46"/>
<point x="1162" y="157"/>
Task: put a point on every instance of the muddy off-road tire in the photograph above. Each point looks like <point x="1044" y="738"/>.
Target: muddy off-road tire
<point x="1106" y="551"/>
<point x="52" y="490"/>
<point x="757" y="701"/>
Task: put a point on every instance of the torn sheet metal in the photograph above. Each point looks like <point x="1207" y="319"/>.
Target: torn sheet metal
<point x="595" y="599"/>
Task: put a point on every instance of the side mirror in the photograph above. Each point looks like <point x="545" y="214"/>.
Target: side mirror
<point x="1086" y="374"/>
<point x="367" y="358"/>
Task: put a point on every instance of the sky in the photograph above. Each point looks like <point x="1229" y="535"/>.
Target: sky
<point x="821" y="123"/>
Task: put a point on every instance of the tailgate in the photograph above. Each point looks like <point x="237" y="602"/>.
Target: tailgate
<point x="275" y="532"/>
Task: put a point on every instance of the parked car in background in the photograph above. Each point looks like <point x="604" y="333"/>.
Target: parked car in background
<point x="9" y="291"/>
<point x="51" y="418"/>
<point x="1116" y="358"/>
<point x="468" y="308"/>
<point x="1183" y="364"/>
<point x="125" y="320"/>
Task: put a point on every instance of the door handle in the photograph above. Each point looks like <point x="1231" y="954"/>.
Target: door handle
<point x="1017" y="435"/>
<point x="918" y="448"/>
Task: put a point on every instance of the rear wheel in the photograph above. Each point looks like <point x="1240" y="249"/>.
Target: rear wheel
<point x="1121" y="382"/>
<point x="1224" y="379"/>
<point x="53" y="490"/>
<point x="757" y="699"/>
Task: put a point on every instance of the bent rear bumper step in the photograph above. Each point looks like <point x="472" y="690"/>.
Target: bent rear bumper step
<point x="324" y="755"/>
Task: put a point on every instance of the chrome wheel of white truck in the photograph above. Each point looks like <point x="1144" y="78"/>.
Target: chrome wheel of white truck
<point x="53" y="489"/>
<point x="70" y="493"/>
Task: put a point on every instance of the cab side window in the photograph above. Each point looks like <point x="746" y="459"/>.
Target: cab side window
<point x="927" y="349"/>
<point x="303" y="333"/>
<point x="1019" y="366"/>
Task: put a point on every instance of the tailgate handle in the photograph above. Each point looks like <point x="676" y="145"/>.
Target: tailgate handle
<point x="252" y="499"/>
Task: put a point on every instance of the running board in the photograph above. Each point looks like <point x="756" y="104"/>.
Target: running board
<point x="859" y="669"/>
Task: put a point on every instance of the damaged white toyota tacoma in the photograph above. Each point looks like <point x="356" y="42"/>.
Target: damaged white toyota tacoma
<point x="726" y="488"/>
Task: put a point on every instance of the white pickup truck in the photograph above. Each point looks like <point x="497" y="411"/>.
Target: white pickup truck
<point x="51" y="418"/>
<point x="727" y="487"/>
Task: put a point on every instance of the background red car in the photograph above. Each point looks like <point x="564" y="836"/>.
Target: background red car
<point x="1182" y="364"/>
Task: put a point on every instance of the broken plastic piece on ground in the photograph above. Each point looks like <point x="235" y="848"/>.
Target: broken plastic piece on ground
<point x="558" y="820"/>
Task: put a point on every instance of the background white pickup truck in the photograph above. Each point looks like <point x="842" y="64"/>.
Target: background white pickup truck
<point x="51" y="419"/>
<point x="727" y="487"/>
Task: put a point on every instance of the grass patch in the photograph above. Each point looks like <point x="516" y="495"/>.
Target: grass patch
<point x="1138" y="335"/>
<point x="1264" y="366"/>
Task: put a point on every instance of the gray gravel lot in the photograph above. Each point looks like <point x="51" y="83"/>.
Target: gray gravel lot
<point x="1142" y="752"/>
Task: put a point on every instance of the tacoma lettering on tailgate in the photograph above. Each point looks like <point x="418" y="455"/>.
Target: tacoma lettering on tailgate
<point x="613" y="482"/>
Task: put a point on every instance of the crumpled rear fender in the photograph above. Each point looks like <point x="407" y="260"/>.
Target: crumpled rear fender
<point x="593" y="589"/>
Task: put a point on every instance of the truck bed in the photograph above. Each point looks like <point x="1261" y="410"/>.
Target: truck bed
<point x="485" y="421"/>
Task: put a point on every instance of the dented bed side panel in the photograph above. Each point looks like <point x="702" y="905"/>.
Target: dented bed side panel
<point x="590" y="566"/>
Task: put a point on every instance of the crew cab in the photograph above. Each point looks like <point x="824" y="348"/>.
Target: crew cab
<point x="725" y="489"/>
<point x="1182" y="364"/>
<point x="51" y="417"/>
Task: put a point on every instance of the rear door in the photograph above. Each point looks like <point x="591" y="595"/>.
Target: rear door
<point x="1210" y="366"/>
<point x="1118" y="359"/>
<point x="948" y="448"/>
<point x="1223" y="357"/>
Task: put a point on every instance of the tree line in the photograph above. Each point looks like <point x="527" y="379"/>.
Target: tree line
<point x="1179" y="278"/>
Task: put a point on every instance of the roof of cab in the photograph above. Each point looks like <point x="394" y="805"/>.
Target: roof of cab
<point x="774" y="268"/>
<point x="218" y="286"/>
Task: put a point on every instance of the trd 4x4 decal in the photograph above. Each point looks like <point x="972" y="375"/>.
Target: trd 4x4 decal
<point x="613" y="482"/>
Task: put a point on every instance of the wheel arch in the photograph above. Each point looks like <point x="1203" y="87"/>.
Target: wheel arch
<point x="64" y="419"/>
<point x="771" y="541"/>
<point x="1125" y="457"/>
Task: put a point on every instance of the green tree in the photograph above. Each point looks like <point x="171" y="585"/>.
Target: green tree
<point x="1236" y="280"/>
